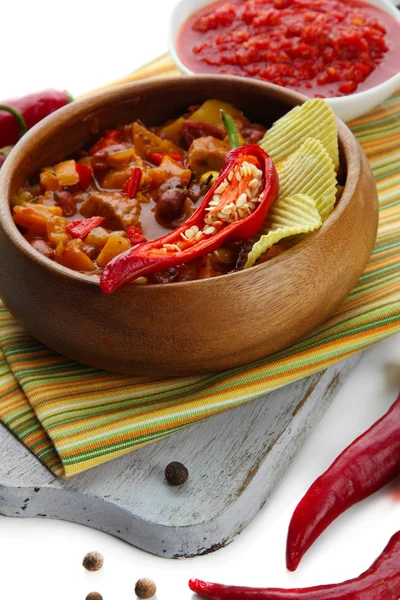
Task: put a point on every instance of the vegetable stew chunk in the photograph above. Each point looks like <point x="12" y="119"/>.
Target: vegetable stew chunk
<point x="119" y="211"/>
<point x="206" y="154"/>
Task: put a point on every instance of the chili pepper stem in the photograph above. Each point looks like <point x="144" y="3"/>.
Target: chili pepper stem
<point x="231" y="129"/>
<point x="17" y="116"/>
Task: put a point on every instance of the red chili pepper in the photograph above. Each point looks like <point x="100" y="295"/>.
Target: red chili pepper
<point x="31" y="109"/>
<point x="81" y="227"/>
<point x="132" y="185"/>
<point x="209" y="229"/>
<point x="365" y="466"/>
<point x="156" y="157"/>
<point x="176" y="157"/>
<point x="380" y="582"/>
<point x="110" y="138"/>
<point x="135" y="235"/>
<point x="85" y="175"/>
<point x="113" y="134"/>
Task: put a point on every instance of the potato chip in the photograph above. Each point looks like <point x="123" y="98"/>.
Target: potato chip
<point x="310" y="171"/>
<point x="288" y="216"/>
<point x="315" y="119"/>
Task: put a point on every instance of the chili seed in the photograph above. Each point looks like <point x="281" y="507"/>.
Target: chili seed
<point x="93" y="561"/>
<point x="176" y="473"/>
<point x="145" y="588"/>
<point x="94" y="596"/>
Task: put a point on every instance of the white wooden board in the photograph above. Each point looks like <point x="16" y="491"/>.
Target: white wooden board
<point x="235" y="459"/>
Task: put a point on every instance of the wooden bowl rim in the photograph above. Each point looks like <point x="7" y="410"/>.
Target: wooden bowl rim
<point x="350" y="146"/>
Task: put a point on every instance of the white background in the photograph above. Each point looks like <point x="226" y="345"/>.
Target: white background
<point x="80" y="45"/>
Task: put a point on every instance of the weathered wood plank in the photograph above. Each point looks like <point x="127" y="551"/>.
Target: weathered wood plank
<point x="235" y="459"/>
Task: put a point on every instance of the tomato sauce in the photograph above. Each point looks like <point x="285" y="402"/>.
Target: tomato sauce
<point x="321" y="48"/>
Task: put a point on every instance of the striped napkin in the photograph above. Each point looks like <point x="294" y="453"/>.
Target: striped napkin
<point x="74" y="417"/>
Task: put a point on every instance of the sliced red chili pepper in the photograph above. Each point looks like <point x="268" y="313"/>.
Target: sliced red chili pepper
<point x="365" y="466"/>
<point x="132" y="185"/>
<point x="85" y="175"/>
<point x="225" y="213"/>
<point x="176" y="157"/>
<point x="110" y="138"/>
<point x="81" y="227"/>
<point x="135" y="235"/>
<point x="156" y="158"/>
<point x="380" y="582"/>
<point x="113" y="134"/>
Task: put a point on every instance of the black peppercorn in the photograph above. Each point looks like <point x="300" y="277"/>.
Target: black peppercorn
<point x="94" y="596"/>
<point x="176" y="473"/>
<point x="93" y="561"/>
<point x="145" y="588"/>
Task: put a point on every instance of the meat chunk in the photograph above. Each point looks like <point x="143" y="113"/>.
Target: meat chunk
<point x="119" y="211"/>
<point x="206" y="154"/>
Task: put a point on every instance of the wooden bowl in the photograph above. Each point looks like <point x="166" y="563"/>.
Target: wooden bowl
<point x="195" y="326"/>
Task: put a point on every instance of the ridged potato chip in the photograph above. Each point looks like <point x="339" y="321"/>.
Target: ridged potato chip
<point x="310" y="171"/>
<point x="289" y="215"/>
<point x="315" y="119"/>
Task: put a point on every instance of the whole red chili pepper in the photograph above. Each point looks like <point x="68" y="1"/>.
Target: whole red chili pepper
<point x="81" y="227"/>
<point x="132" y="185"/>
<point x="225" y="213"/>
<point x="365" y="466"/>
<point x="380" y="582"/>
<point x="31" y="109"/>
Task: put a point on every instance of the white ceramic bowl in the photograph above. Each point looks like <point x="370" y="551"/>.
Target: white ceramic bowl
<point x="346" y="107"/>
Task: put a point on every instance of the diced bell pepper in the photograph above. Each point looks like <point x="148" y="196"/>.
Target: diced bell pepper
<point x="146" y="142"/>
<point x="210" y="112"/>
<point x="114" y="180"/>
<point x="168" y="168"/>
<point x="121" y="159"/>
<point x="115" y="245"/>
<point x="71" y="256"/>
<point x="66" y="173"/>
<point x="56" y="233"/>
<point x="173" y="130"/>
<point x="34" y="217"/>
<point x="49" y="181"/>
<point x="97" y="237"/>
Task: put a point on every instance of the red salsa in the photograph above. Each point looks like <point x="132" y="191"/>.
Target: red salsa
<point x="317" y="47"/>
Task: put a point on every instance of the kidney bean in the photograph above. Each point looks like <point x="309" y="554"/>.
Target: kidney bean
<point x="170" y="204"/>
<point x="90" y="251"/>
<point x="43" y="247"/>
<point x="99" y="160"/>
<point x="253" y="133"/>
<point x="66" y="201"/>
